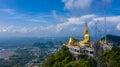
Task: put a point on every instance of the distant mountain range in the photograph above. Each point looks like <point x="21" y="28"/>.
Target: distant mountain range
<point x="21" y="42"/>
<point x="113" y="39"/>
<point x="30" y="42"/>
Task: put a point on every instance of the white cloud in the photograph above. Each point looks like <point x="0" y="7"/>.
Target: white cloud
<point x="109" y="19"/>
<point x="89" y="16"/>
<point x="57" y="17"/>
<point x="28" y="18"/>
<point x="55" y="28"/>
<point x="8" y="10"/>
<point x="118" y="26"/>
<point x="77" y="4"/>
<point x="74" y="21"/>
<point x="12" y="14"/>
<point x="71" y="24"/>
<point x="14" y="29"/>
<point x="77" y="23"/>
<point x="7" y="29"/>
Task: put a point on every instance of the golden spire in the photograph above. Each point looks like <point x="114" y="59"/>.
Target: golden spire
<point x="86" y="26"/>
<point x="86" y="35"/>
<point x="70" y="34"/>
<point x="71" y="39"/>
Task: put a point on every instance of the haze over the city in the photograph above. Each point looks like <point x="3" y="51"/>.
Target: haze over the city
<point x="49" y="18"/>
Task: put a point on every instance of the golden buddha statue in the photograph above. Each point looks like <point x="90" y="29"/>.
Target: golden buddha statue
<point x="86" y="36"/>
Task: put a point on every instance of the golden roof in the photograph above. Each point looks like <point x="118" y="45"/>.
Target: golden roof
<point x="102" y="41"/>
<point x="86" y="37"/>
<point x="72" y="40"/>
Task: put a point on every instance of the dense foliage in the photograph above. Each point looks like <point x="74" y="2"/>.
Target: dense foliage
<point x="110" y="58"/>
<point x="63" y="58"/>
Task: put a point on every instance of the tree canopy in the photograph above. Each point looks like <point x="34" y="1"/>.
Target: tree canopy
<point x="63" y="58"/>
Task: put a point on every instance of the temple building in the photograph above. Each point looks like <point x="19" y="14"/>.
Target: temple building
<point x="105" y="45"/>
<point x="85" y="47"/>
<point x="81" y="47"/>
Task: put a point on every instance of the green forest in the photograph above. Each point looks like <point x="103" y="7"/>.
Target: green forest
<point x="110" y="58"/>
<point x="63" y="58"/>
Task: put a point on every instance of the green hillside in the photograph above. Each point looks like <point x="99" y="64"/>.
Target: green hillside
<point x="110" y="58"/>
<point x="63" y="58"/>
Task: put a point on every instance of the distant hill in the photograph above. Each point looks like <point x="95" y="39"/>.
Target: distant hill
<point x="114" y="39"/>
<point x="31" y="41"/>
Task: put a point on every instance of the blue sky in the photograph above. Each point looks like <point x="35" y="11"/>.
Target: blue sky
<point x="49" y="18"/>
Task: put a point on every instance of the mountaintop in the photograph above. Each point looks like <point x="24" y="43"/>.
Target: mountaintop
<point x="113" y="39"/>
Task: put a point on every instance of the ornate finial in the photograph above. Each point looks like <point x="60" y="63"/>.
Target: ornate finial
<point x="70" y="34"/>
<point x="86" y="24"/>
